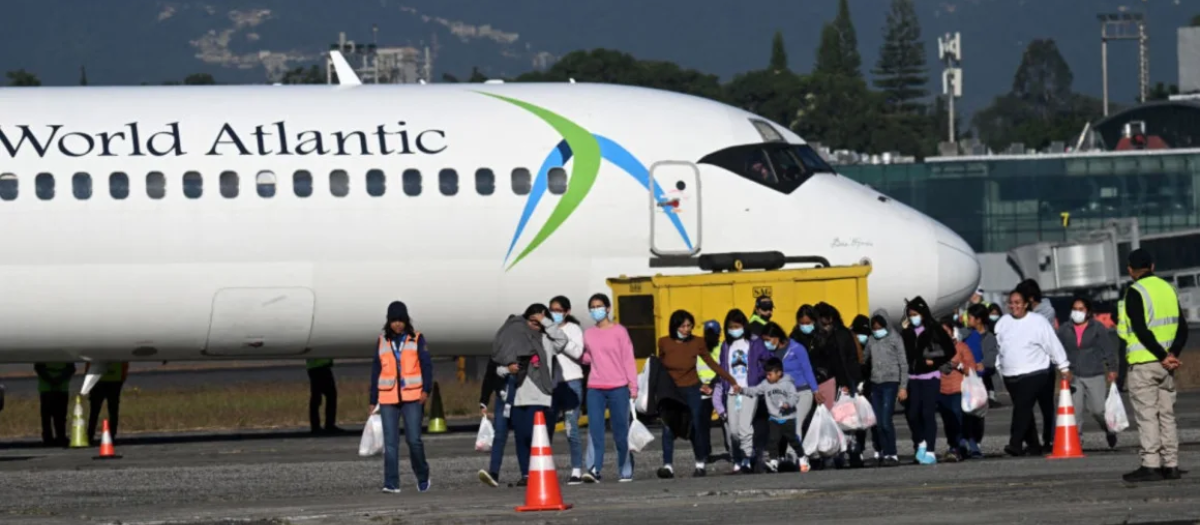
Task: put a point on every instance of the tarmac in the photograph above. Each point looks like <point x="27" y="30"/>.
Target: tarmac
<point x="292" y="477"/>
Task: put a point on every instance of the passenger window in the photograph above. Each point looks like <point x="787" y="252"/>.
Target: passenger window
<point x="264" y="182"/>
<point x="522" y="181"/>
<point x="43" y="186"/>
<point x="448" y="182"/>
<point x="8" y="186"/>
<point x="485" y="181"/>
<point x="339" y="183"/>
<point x="229" y="184"/>
<point x="557" y="181"/>
<point x="81" y="186"/>
<point x="156" y="185"/>
<point x="118" y="185"/>
<point x="412" y="182"/>
<point x="193" y="185"/>
<point x="302" y="183"/>
<point x="376" y="183"/>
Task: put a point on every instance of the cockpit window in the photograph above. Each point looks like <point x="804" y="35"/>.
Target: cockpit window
<point x="779" y="166"/>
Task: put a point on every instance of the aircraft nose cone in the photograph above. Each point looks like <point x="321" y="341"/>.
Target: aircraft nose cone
<point x="958" y="270"/>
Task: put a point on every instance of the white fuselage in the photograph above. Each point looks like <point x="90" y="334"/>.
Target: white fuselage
<point x="216" y="277"/>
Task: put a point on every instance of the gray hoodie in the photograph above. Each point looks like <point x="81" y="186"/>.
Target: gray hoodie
<point x="776" y="395"/>
<point x="889" y="363"/>
<point x="1045" y="309"/>
<point x="537" y="383"/>
<point x="514" y="340"/>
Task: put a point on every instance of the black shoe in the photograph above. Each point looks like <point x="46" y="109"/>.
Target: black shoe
<point x="1171" y="473"/>
<point x="992" y="403"/>
<point x="591" y="476"/>
<point x="1112" y="440"/>
<point x="1014" y="452"/>
<point x="1034" y="451"/>
<point x="666" y="472"/>
<point x="334" y="430"/>
<point x="891" y="461"/>
<point x="1143" y="474"/>
<point x="856" y="461"/>
<point x="575" y="480"/>
<point x="699" y="473"/>
<point x="523" y="482"/>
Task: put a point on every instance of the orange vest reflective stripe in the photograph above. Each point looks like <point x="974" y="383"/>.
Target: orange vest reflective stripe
<point x="403" y="382"/>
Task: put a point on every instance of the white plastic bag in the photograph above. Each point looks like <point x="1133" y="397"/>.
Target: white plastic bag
<point x="824" y="437"/>
<point x="866" y="413"/>
<point x="372" y="436"/>
<point x="639" y="435"/>
<point x="483" y="440"/>
<point x="974" y="395"/>
<point x="1114" y="411"/>
<point x="845" y="413"/>
<point x="643" y="384"/>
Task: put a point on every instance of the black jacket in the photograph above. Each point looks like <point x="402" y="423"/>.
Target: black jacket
<point x="492" y="384"/>
<point x="822" y="368"/>
<point x="839" y="353"/>
<point x="667" y="402"/>
<point x="933" y="344"/>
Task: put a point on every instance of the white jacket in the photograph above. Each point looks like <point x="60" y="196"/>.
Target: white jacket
<point x="569" y="368"/>
<point x="1028" y="345"/>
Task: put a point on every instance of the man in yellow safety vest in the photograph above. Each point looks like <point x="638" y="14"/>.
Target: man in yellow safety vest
<point x="1155" y="333"/>
<point x="54" y="380"/>
<point x="321" y="384"/>
<point x="708" y="377"/>
<point x="108" y="389"/>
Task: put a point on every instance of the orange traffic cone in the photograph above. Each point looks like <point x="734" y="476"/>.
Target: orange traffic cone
<point x="1066" y="429"/>
<point x="543" y="490"/>
<point x="106" y="445"/>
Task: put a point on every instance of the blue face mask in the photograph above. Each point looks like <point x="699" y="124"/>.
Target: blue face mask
<point x="557" y="317"/>
<point x="736" y="333"/>
<point x="770" y="345"/>
<point x="807" y="328"/>
<point x="880" y="333"/>
<point x="994" y="318"/>
<point x="681" y="336"/>
<point x="599" y="314"/>
<point x="862" y="338"/>
<point x="915" y="320"/>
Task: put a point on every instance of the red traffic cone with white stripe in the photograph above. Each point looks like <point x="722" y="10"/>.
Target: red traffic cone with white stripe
<point x="542" y="493"/>
<point x="106" y="445"/>
<point x="1066" y="429"/>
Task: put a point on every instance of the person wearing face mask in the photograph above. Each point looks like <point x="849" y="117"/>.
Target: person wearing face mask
<point x="796" y="365"/>
<point x="884" y="353"/>
<point x="861" y="328"/>
<point x="763" y="309"/>
<point x="837" y="344"/>
<point x="1094" y="362"/>
<point x="568" y="384"/>
<point x="1028" y="348"/>
<point x="926" y="348"/>
<point x="708" y="380"/>
<point x="743" y="356"/>
<point x="984" y="349"/>
<point x="991" y="349"/>
<point x="950" y="395"/>
<point x="612" y="382"/>
<point x="678" y="353"/>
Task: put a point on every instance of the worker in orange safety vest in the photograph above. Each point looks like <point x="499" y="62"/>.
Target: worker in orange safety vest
<point x="401" y="380"/>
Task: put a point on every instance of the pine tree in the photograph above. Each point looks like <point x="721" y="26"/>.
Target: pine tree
<point x="83" y="76"/>
<point x="838" y="52"/>
<point x="779" y="58"/>
<point x="901" y="73"/>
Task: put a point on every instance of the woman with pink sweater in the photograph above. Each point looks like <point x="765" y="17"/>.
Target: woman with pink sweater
<point x="610" y="385"/>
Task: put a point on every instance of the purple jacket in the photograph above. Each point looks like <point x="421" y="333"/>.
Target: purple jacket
<point x="754" y="375"/>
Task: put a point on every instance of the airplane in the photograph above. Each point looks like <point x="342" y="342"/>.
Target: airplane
<point x="259" y="222"/>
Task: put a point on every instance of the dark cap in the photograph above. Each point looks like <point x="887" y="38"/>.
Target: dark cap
<point x="1140" y="259"/>
<point x="764" y="303"/>
<point x="397" y="311"/>
<point x="712" y="326"/>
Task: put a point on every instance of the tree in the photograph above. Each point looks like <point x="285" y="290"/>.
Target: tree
<point x="199" y="79"/>
<point x="1162" y="92"/>
<point x="302" y="75"/>
<point x="1043" y="80"/>
<point x="614" y="67"/>
<point x="449" y="79"/>
<point x="776" y="95"/>
<point x="779" y="59"/>
<point x="83" y="81"/>
<point x="1196" y="21"/>
<point x="22" y="78"/>
<point x="838" y="51"/>
<point x="900" y="72"/>
<point x="477" y="76"/>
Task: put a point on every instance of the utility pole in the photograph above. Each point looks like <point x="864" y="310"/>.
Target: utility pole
<point x="950" y="51"/>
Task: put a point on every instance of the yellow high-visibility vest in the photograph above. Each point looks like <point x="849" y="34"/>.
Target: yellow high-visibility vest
<point x="1161" y="312"/>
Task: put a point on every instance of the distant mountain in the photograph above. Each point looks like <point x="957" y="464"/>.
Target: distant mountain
<point x="134" y="41"/>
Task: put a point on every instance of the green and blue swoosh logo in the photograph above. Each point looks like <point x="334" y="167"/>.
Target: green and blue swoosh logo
<point x="587" y="149"/>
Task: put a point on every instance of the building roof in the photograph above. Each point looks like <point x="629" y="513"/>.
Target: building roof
<point x="1176" y="122"/>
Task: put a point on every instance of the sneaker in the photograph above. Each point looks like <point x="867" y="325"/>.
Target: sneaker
<point x="666" y="472"/>
<point x="773" y="466"/>
<point x="389" y="490"/>
<point x="804" y="466"/>
<point x="488" y="479"/>
<point x="925" y="457"/>
<point x="699" y="473"/>
<point x="891" y="461"/>
<point x="423" y="486"/>
<point x="737" y="468"/>
<point x="950" y="456"/>
<point x="591" y="476"/>
<point x="1112" y="440"/>
<point x="1171" y="473"/>
<point x="524" y="482"/>
<point x="625" y="480"/>
<point x="1012" y="451"/>
<point x="575" y="480"/>
<point x="1143" y="474"/>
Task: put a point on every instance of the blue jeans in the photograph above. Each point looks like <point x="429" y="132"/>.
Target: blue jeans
<point x="617" y="403"/>
<point x="522" y="425"/>
<point x="699" y="436"/>
<point x="950" y="407"/>
<point x="568" y="399"/>
<point x="883" y="402"/>
<point x="500" y="424"/>
<point x="922" y="411"/>
<point x="412" y="412"/>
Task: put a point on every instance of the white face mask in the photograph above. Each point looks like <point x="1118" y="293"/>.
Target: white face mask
<point x="1078" y="316"/>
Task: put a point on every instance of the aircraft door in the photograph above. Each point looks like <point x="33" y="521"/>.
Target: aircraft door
<point x="260" y="322"/>
<point x="674" y="209"/>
